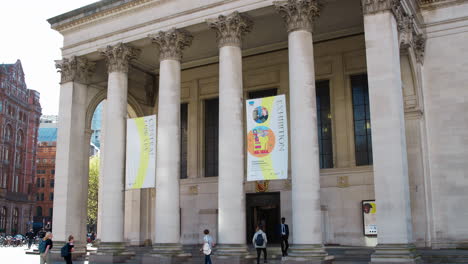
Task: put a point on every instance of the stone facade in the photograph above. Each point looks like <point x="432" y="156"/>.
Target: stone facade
<point x="20" y="111"/>
<point x="415" y="83"/>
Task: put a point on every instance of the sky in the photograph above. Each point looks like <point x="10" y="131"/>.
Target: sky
<point x="26" y="35"/>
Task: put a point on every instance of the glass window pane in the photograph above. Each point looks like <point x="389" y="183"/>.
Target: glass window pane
<point x="324" y="128"/>
<point x="211" y="137"/>
<point x="183" y="140"/>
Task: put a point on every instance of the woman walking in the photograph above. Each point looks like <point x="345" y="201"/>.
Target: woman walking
<point x="68" y="249"/>
<point x="44" y="248"/>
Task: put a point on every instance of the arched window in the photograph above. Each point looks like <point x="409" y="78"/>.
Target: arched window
<point x="38" y="211"/>
<point x="3" y="219"/>
<point x="8" y="132"/>
<point x="14" y="228"/>
<point x="19" y="138"/>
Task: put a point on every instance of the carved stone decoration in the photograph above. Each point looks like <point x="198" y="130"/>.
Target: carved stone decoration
<point x="171" y="43"/>
<point x="119" y="56"/>
<point x="298" y="14"/>
<point x="375" y="6"/>
<point x="419" y="47"/>
<point x="75" y="69"/>
<point x="230" y="29"/>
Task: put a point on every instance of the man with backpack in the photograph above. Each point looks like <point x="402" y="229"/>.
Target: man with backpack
<point x="67" y="249"/>
<point x="260" y="240"/>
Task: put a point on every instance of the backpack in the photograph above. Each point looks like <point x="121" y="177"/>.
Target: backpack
<point x="42" y="246"/>
<point x="64" y="252"/>
<point x="206" y="248"/>
<point x="259" y="240"/>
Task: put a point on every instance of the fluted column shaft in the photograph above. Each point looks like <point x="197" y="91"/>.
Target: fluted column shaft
<point x="112" y="226"/>
<point x="167" y="213"/>
<point x="231" y="196"/>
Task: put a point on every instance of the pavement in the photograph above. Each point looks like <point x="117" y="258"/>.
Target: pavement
<point x="17" y="255"/>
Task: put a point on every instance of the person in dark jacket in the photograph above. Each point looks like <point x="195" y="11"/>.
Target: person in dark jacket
<point x="30" y="237"/>
<point x="70" y="246"/>
<point x="283" y="231"/>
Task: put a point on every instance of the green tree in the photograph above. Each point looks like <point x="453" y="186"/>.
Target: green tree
<point x="93" y="191"/>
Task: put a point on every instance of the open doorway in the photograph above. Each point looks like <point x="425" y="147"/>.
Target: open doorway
<point x="263" y="208"/>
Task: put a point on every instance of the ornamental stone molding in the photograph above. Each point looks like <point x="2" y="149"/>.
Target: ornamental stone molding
<point x="119" y="56"/>
<point x="231" y="28"/>
<point x="171" y="43"/>
<point x="75" y="69"/>
<point x="298" y="14"/>
<point x="375" y="6"/>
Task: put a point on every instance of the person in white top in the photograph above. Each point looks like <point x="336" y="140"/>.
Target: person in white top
<point x="260" y="241"/>
<point x="207" y="246"/>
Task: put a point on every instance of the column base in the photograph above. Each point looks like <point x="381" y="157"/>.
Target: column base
<point x="231" y="254"/>
<point x="79" y="253"/>
<point x="166" y="253"/>
<point x="110" y="252"/>
<point x="308" y="253"/>
<point x="395" y="253"/>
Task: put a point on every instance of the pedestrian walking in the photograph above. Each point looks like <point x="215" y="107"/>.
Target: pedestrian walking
<point x="30" y="237"/>
<point x="207" y="246"/>
<point x="260" y="241"/>
<point x="67" y="249"/>
<point x="44" y="248"/>
<point x="284" y="234"/>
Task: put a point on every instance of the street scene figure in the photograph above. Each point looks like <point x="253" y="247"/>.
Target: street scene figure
<point x="260" y="241"/>
<point x="207" y="246"/>
<point x="284" y="234"/>
<point x="30" y="237"/>
<point x="45" y="246"/>
<point x="67" y="249"/>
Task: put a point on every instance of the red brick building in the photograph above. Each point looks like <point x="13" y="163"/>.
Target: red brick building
<point x="45" y="174"/>
<point x="20" y="111"/>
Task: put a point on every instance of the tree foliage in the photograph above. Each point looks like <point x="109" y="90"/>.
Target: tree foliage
<point x="93" y="190"/>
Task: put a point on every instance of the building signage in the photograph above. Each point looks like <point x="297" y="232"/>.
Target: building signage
<point x="267" y="139"/>
<point x="369" y="215"/>
<point x="141" y="153"/>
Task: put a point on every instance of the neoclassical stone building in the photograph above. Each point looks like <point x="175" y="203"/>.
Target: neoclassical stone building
<point x="377" y="103"/>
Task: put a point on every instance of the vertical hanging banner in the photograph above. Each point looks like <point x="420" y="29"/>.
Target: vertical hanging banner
<point x="267" y="139"/>
<point x="141" y="153"/>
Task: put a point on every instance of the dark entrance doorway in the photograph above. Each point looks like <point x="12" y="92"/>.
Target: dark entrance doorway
<point x="263" y="208"/>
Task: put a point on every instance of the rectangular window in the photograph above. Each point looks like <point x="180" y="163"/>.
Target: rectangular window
<point x="52" y="172"/>
<point x="42" y="182"/>
<point x="324" y="124"/>
<point x="52" y="182"/>
<point x="38" y="182"/>
<point x="263" y="93"/>
<point x="362" y="124"/>
<point x="51" y="211"/>
<point x="183" y="140"/>
<point x="51" y="196"/>
<point x="211" y="137"/>
<point x="42" y="196"/>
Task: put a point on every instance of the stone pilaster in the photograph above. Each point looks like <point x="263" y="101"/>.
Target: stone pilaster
<point x="307" y="245"/>
<point x="231" y="197"/>
<point x="167" y="212"/>
<point x="298" y="14"/>
<point x="111" y="248"/>
<point x="387" y="31"/>
<point x="231" y="28"/>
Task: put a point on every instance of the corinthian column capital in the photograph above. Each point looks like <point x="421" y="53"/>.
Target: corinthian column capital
<point x="118" y="57"/>
<point x="230" y="29"/>
<point x="298" y="14"/>
<point x="75" y="69"/>
<point x="171" y="43"/>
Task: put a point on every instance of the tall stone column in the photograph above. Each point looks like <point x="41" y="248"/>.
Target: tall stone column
<point x="388" y="133"/>
<point x="306" y="219"/>
<point x="231" y="197"/>
<point x="71" y="175"/>
<point x="167" y="213"/>
<point x="112" y="218"/>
